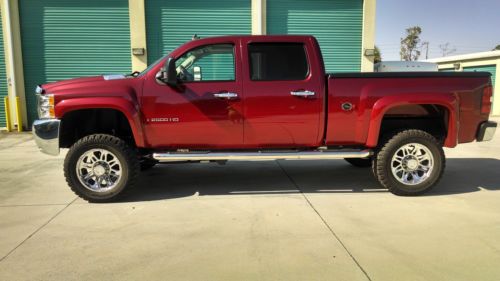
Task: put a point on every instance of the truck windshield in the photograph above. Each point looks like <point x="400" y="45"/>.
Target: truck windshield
<point x="151" y="66"/>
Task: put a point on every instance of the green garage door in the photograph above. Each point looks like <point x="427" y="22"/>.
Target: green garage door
<point x="174" y="22"/>
<point x="63" y="39"/>
<point x="337" y="24"/>
<point x="487" y="68"/>
<point x="3" y="78"/>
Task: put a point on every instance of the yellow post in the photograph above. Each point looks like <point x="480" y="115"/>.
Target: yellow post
<point x="7" y="114"/>
<point x="18" y="115"/>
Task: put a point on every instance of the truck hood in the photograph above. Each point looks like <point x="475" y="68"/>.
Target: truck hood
<point x="97" y="86"/>
<point x="55" y="87"/>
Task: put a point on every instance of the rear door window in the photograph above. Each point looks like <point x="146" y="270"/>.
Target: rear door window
<point x="277" y="61"/>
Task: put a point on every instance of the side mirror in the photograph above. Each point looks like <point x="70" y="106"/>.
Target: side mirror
<point x="168" y="73"/>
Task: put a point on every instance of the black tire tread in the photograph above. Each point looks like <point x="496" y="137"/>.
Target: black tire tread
<point x="129" y="153"/>
<point x="392" y="140"/>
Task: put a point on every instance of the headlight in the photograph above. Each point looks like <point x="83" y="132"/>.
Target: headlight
<point x="46" y="106"/>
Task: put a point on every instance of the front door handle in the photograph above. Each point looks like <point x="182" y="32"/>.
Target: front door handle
<point x="302" y="93"/>
<point x="227" y="95"/>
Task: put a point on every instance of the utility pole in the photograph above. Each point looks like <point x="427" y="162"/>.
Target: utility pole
<point x="426" y="44"/>
<point x="445" y="49"/>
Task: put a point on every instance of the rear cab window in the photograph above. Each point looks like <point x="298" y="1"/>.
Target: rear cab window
<point x="276" y="61"/>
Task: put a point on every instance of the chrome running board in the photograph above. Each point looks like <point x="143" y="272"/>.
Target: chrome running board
<point x="262" y="155"/>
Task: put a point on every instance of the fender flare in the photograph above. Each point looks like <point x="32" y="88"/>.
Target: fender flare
<point x="127" y="107"/>
<point x="449" y="101"/>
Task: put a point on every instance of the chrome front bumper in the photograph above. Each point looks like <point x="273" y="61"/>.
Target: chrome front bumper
<point x="486" y="131"/>
<point x="46" y="133"/>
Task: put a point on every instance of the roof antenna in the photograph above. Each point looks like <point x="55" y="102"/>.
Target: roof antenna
<point x="195" y="37"/>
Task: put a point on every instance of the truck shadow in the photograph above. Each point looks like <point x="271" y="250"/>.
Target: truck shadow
<point x="462" y="175"/>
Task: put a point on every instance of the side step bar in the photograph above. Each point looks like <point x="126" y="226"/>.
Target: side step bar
<point x="262" y="155"/>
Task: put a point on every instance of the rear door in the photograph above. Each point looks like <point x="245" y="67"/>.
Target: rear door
<point x="283" y="92"/>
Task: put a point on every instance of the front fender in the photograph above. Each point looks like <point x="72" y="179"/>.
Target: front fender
<point x="127" y="107"/>
<point x="449" y="101"/>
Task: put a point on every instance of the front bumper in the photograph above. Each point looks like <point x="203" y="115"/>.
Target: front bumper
<point x="46" y="133"/>
<point x="486" y="131"/>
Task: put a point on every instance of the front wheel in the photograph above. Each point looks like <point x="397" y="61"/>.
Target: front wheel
<point x="411" y="162"/>
<point x="100" y="168"/>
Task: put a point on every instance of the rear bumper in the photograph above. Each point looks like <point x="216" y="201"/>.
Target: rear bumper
<point x="46" y="133"/>
<point x="486" y="131"/>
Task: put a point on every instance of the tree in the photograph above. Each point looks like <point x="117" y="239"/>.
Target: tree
<point x="446" y="50"/>
<point x="410" y="45"/>
<point x="497" y="48"/>
<point x="378" y="55"/>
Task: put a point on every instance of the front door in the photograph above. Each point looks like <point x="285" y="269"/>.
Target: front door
<point x="205" y="110"/>
<point x="284" y="88"/>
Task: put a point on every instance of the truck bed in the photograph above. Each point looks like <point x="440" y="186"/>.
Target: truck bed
<point x="376" y="97"/>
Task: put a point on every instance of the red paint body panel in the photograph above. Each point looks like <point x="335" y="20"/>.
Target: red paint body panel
<point x="204" y="121"/>
<point x="275" y="118"/>
<point x="372" y="97"/>
<point x="265" y="115"/>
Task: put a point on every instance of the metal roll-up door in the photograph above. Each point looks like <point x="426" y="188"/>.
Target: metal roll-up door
<point x="63" y="39"/>
<point x="173" y="23"/>
<point x="337" y="24"/>
<point x="3" y="78"/>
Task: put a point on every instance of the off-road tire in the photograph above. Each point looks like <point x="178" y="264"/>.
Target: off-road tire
<point x="128" y="159"/>
<point x="389" y="146"/>
<point x="359" y="162"/>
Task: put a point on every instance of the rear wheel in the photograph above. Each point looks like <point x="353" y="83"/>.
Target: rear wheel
<point x="100" y="168"/>
<point x="359" y="162"/>
<point x="411" y="162"/>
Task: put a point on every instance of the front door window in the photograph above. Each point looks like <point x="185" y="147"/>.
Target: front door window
<point x="207" y="63"/>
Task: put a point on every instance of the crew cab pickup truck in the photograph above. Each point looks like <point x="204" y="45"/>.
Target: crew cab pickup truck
<point x="259" y="98"/>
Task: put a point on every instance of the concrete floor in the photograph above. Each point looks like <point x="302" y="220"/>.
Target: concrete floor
<point x="286" y="220"/>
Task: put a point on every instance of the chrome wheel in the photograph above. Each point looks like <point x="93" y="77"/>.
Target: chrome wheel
<point x="412" y="164"/>
<point x="99" y="170"/>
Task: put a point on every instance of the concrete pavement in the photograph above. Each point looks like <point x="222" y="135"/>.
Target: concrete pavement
<point x="286" y="220"/>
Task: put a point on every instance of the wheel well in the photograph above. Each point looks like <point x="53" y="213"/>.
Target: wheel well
<point x="430" y="118"/>
<point x="80" y="123"/>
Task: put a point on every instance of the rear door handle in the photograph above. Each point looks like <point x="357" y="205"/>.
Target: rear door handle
<point x="227" y="96"/>
<point x="302" y="93"/>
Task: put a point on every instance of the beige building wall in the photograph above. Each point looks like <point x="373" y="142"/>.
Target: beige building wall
<point x="14" y="62"/>
<point x="368" y="41"/>
<point x="137" y="16"/>
<point x="479" y="62"/>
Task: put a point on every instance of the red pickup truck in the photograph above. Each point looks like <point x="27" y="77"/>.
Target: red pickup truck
<point x="259" y="98"/>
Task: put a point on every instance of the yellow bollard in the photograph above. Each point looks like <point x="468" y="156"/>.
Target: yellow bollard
<point x="7" y="113"/>
<point x="18" y="115"/>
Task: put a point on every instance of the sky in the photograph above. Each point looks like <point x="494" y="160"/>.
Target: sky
<point x="468" y="25"/>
